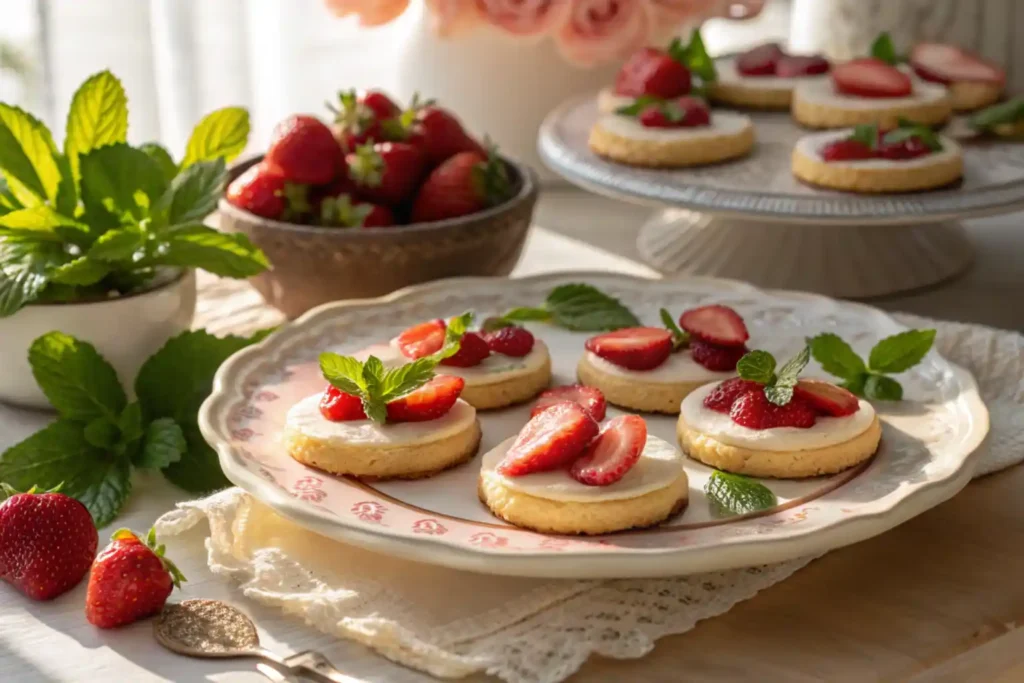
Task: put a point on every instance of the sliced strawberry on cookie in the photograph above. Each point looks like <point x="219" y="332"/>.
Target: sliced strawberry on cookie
<point x="755" y="411"/>
<point x="653" y="72"/>
<point x="847" y="150"/>
<point x="682" y="112"/>
<point x="589" y="398"/>
<point x="871" y="77"/>
<point x="791" y="66"/>
<point x="715" y="324"/>
<point x="715" y="357"/>
<point x="473" y="350"/>
<point x="613" y="453"/>
<point x="725" y="394"/>
<point x="422" y="340"/>
<point x="337" y="406"/>
<point x="947" y="64"/>
<point x="431" y="401"/>
<point x="511" y="340"/>
<point x="760" y="61"/>
<point x="634" y="348"/>
<point x="826" y="398"/>
<point x="550" y="440"/>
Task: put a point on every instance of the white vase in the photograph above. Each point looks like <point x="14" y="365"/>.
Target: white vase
<point x="498" y="85"/>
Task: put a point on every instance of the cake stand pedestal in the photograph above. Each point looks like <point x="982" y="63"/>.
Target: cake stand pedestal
<point x="751" y="220"/>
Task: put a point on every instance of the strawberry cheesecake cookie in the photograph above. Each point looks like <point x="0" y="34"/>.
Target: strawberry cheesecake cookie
<point x="652" y="369"/>
<point x="764" y="77"/>
<point x="865" y="159"/>
<point x="563" y="475"/>
<point x="374" y="422"/>
<point x="770" y="424"/>
<point x="973" y="82"/>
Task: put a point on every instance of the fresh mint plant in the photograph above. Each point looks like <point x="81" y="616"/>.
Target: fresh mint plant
<point x="578" y="307"/>
<point x="100" y="217"/>
<point x="734" y="494"/>
<point x="759" y="366"/>
<point x="100" y="436"/>
<point x="889" y="356"/>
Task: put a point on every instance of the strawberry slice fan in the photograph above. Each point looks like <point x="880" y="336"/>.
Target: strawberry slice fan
<point x="751" y="220"/>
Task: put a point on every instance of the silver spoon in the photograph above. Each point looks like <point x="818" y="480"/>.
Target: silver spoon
<point x="211" y="628"/>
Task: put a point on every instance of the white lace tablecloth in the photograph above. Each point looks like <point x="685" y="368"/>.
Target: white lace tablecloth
<point x="450" y="623"/>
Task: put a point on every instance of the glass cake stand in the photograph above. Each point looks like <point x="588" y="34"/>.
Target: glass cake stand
<point x="752" y="220"/>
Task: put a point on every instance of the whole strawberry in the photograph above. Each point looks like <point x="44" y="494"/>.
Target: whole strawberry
<point x="386" y="172"/>
<point x="358" y="117"/>
<point x="130" y="580"/>
<point x="466" y="183"/>
<point x="342" y="212"/>
<point x="441" y="135"/>
<point x="303" y="150"/>
<point x="47" y="542"/>
<point x="263" y="191"/>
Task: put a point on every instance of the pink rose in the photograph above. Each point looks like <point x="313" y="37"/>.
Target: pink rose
<point x="370" y="12"/>
<point x="524" y="17"/>
<point x="451" y="17"/>
<point x="603" y="30"/>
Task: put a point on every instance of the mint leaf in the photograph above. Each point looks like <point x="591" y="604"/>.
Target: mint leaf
<point x="679" y="338"/>
<point x="901" y="351"/>
<point x="42" y="223"/>
<point x="882" y="388"/>
<point x="454" y="331"/>
<point x="121" y="180"/>
<point x="28" y="157"/>
<point x="224" y="254"/>
<point x="193" y="193"/>
<point x="526" y="314"/>
<point x="130" y="422"/>
<point x="163" y="159"/>
<point x="638" y="105"/>
<point x="757" y="366"/>
<point x="98" y="116"/>
<point x="23" y="272"/>
<point x="343" y="372"/>
<point x="81" y="272"/>
<point x="836" y="356"/>
<point x="584" y="308"/>
<point x="101" y="433"/>
<point x="866" y="134"/>
<point x="221" y="134"/>
<point x="60" y="454"/>
<point x="855" y="385"/>
<point x="164" y="445"/>
<point x="789" y="372"/>
<point x="905" y="132"/>
<point x="697" y="60"/>
<point x="738" y="495"/>
<point x="119" y="244"/>
<point x="79" y="383"/>
<point x="398" y="382"/>
<point x="883" y="48"/>
<point x="1009" y="112"/>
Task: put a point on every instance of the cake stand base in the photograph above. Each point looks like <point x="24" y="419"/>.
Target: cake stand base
<point x="855" y="261"/>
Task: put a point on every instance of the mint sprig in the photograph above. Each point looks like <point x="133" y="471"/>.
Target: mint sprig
<point x="680" y="339"/>
<point x="907" y="129"/>
<point x="578" y="307"/>
<point x="891" y="355"/>
<point x="734" y="494"/>
<point x="866" y="133"/>
<point x="694" y="56"/>
<point x="1003" y="114"/>
<point x="884" y="49"/>
<point x="759" y="366"/>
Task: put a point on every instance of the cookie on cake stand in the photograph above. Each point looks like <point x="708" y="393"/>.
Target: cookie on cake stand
<point x="973" y="82"/>
<point x="764" y="77"/>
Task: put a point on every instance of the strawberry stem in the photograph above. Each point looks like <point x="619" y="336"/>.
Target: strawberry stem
<point x="367" y="168"/>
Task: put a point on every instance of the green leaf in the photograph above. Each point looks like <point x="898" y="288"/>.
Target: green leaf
<point x="779" y="394"/>
<point x="98" y="116"/>
<point x="220" y="253"/>
<point x="908" y="130"/>
<point x="119" y="244"/>
<point x="1009" y="112"/>
<point x="867" y="134"/>
<point x="526" y="314"/>
<point x="789" y="372"/>
<point x="41" y="223"/>
<point x="757" y="366"/>
<point x="343" y="372"/>
<point x="101" y="433"/>
<point x="122" y="180"/>
<point x="130" y="422"/>
<point x="398" y="382"/>
<point x="679" y="338"/>
<point x="883" y="48"/>
<point x="584" y="308"/>
<point x="173" y="383"/>
<point x="697" y="60"/>
<point x="163" y="159"/>
<point x="882" y="388"/>
<point x="836" y="356"/>
<point x="164" y="445"/>
<point x="60" y="454"/>
<point x="454" y="331"/>
<point x="24" y="268"/>
<point x="738" y="495"/>
<point x="375" y="410"/>
<point x="373" y="373"/>
<point x="855" y="385"/>
<point x="221" y="134"/>
<point x="81" y="272"/>
<point x="638" y="105"/>
<point x="28" y="157"/>
<point x="901" y="351"/>
<point x="79" y="383"/>
<point x="193" y="193"/>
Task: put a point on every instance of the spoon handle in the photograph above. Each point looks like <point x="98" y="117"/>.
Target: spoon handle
<point x="314" y="665"/>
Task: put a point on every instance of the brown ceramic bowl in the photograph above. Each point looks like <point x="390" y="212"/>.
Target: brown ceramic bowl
<point x="311" y="265"/>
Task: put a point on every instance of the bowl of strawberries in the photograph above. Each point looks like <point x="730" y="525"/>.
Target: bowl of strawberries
<point x="380" y="198"/>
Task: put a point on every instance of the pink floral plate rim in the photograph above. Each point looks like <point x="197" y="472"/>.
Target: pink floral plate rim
<point x="924" y="462"/>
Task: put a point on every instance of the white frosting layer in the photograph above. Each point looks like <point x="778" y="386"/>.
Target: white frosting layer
<point x="811" y="146"/>
<point x="722" y="123"/>
<point x="495" y="368"/>
<point x="608" y="101"/>
<point x="824" y="92"/>
<point x="305" y="418"/>
<point x="680" y="367"/>
<point x="827" y="431"/>
<point x="727" y="73"/>
<point x="659" y="465"/>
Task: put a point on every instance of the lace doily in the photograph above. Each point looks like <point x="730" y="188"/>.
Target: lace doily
<point x="526" y="630"/>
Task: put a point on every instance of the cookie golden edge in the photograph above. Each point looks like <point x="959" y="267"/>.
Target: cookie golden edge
<point x="971" y="95"/>
<point x="839" y="176"/>
<point x="645" y="397"/>
<point x="779" y="464"/>
<point x="818" y="115"/>
<point x="679" y="153"/>
<point x="509" y="392"/>
<point x="377" y="463"/>
<point x="584" y="519"/>
<point x="747" y="97"/>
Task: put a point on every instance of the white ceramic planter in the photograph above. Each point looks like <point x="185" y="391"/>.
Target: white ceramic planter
<point x="126" y="331"/>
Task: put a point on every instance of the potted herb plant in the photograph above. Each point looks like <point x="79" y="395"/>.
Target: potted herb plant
<point x="100" y="239"/>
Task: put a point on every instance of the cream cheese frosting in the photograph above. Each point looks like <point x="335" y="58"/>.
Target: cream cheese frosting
<point x="727" y="73"/>
<point x="494" y="369"/>
<point x="722" y="123"/>
<point x="305" y="418"/>
<point x="823" y="92"/>
<point x="827" y="431"/>
<point x="680" y="367"/>
<point x="811" y="146"/>
<point x="659" y="465"/>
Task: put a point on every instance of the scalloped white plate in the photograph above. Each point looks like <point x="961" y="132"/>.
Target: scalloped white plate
<point x="924" y="457"/>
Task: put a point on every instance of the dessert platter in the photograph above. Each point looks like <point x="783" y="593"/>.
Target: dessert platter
<point x="847" y="179"/>
<point x="596" y="425"/>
